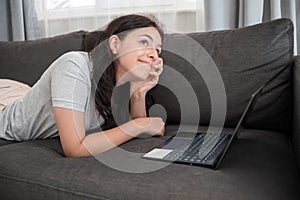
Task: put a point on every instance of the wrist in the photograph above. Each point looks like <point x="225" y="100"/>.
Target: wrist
<point x="138" y="95"/>
<point x="142" y="123"/>
<point x="136" y="90"/>
<point x="134" y="127"/>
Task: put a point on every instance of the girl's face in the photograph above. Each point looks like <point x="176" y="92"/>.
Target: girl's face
<point x="137" y="54"/>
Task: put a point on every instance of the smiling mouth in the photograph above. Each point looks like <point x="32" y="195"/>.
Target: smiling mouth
<point x="145" y="62"/>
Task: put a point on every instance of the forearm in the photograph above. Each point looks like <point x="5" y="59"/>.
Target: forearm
<point x="99" y="142"/>
<point x="76" y="143"/>
<point x="102" y="141"/>
<point x="138" y="106"/>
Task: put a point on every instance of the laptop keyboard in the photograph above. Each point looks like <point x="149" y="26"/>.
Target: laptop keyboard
<point x="199" y="150"/>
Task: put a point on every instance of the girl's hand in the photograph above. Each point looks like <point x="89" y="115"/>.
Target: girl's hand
<point x="154" y="126"/>
<point x="140" y="88"/>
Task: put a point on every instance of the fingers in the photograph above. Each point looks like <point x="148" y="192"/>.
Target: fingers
<point x="161" y="132"/>
<point x="152" y="79"/>
<point x="156" y="71"/>
<point x="153" y="126"/>
<point x="153" y="76"/>
<point x="158" y="66"/>
<point x="159" y="125"/>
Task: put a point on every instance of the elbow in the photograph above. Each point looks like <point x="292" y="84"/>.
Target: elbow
<point x="71" y="154"/>
<point x="76" y="152"/>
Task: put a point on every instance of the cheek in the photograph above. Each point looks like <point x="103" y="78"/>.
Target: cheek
<point x="135" y="69"/>
<point x="130" y="59"/>
<point x="126" y="61"/>
<point x="129" y="48"/>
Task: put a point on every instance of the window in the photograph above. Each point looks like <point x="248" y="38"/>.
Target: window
<point x="62" y="16"/>
<point x="63" y="4"/>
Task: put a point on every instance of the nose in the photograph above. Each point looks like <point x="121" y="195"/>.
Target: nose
<point x="152" y="54"/>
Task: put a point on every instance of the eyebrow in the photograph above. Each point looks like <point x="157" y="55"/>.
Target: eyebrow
<point x="148" y="36"/>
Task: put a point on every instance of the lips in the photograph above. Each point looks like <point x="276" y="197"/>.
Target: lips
<point x="144" y="62"/>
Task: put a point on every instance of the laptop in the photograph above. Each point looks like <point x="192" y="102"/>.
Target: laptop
<point x="203" y="148"/>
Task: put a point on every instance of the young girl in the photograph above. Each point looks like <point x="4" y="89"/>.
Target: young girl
<point x="73" y="98"/>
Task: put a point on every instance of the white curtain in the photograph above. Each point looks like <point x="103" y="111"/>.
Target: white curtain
<point x="297" y="28"/>
<point x="24" y="22"/>
<point x="63" y="16"/>
<point x="227" y="14"/>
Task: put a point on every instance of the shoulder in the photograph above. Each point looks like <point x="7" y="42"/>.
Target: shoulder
<point x="79" y="58"/>
<point x="74" y="62"/>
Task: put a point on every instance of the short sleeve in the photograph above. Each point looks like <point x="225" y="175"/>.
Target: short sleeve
<point x="70" y="84"/>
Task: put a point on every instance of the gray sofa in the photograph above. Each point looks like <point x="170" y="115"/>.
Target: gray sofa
<point x="263" y="163"/>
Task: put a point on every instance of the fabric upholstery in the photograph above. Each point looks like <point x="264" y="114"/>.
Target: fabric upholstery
<point x="259" y="166"/>
<point x="296" y="113"/>
<point x="246" y="58"/>
<point x="25" y="61"/>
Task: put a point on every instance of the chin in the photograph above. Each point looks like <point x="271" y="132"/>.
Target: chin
<point x="140" y="77"/>
<point x="140" y="74"/>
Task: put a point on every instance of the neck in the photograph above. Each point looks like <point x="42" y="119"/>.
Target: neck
<point x="120" y="80"/>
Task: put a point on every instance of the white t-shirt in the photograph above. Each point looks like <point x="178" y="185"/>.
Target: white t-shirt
<point x="66" y="84"/>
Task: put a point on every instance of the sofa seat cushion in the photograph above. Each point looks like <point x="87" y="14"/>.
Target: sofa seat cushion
<point x="259" y="165"/>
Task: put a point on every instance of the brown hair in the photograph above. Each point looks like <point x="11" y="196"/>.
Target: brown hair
<point x="96" y="43"/>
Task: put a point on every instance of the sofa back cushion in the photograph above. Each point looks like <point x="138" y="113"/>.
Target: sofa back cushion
<point x="25" y="61"/>
<point x="246" y="58"/>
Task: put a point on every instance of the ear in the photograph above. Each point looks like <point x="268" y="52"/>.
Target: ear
<point x="114" y="42"/>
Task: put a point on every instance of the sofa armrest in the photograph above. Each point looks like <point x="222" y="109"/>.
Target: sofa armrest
<point x="296" y="115"/>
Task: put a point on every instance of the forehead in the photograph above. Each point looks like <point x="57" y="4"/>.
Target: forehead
<point x="147" y="31"/>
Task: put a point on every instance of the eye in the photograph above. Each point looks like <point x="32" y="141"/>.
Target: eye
<point x="158" y="51"/>
<point x="144" y="43"/>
